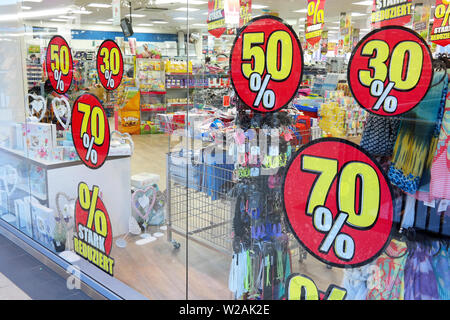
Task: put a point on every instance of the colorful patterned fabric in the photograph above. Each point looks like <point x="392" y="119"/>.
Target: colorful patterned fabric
<point x="441" y="268"/>
<point x="387" y="282"/>
<point x="420" y="281"/>
<point x="379" y="135"/>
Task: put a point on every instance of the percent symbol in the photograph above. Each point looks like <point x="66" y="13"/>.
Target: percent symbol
<point x="313" y="10"/>
<point x="265" y="95"/>
<point x="108" y="76"/>
<point x="344" y="245"/>
<point x="88" y="143"/>
<point x="59" y="82"/>
<point x="377" y="89"/>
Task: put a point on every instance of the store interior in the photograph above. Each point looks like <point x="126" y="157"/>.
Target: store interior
<point x="175" y="101"/>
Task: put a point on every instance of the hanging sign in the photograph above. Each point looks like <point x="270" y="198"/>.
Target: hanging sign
<point x="90" y="131"/>
<point x="345" y="30"/>
<point x="266" y="64"/>
<point x="315" y="19"/>
<point x="59" y="64"/>
<point x="391" y="13"/>
<point x="216" y="18"/>
<point x="93" y="236"/>
<point x="342" y="211"/>
<point x="440" y="32"/>
<point x="390" y="71"/>
<point x="245" y="12"/>
<point x="232" y="12"/>
<point x="110" y="65"/>
<point x="421" y="19"/>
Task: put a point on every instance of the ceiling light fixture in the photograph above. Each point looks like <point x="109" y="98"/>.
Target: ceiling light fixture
<point x="99" y="5"/>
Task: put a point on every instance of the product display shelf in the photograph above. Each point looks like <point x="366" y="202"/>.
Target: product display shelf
<point x="53" y="177"/>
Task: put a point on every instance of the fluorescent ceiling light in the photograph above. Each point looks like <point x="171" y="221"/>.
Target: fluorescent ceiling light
<point x="31" y="0"/>
<point x="34" y="14"/>
<point x="200" y="24"/>
<point x="26" y="8"/>
<point x="302" y="10"/>
<point x="357" y="14"/>
<point x="58" y="20"/>
<point x="183" y="18"/>
<point x="99" y="5"/>
<point x="80" y="11"/>
<point x="67" y="17"/>
<point x="187" y="9"/>
<point x="180" y="1"/>
<point x="103" y="22"/>
<point x="258" y="6"/>
<point x="160" y="22"/>
<point x="363" y="3"/>
<point x="145" y="24"/>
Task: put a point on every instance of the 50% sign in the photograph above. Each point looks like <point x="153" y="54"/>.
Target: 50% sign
<point x="59" y="64"/>
<point x="110" y="65"/>
<point x="390" y="71"/>
<point x="266" y="64"/>
<point x="90" y="131"/>
<point x="342" y="212"/>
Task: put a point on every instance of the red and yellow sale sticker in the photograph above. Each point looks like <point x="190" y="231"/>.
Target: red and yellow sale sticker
<point x="93" y="238"/>
<point x="90" y="131"/>
<point x="266" y="64"/>
<point x="315" y="19"/>
<point x="301" y="287"/>
<point x="440" y="33"/>
<point x="216" y="18"/>
<point x="390" y="71"/>
<point x="110" y="65"/>
<point x="342" y="211"/>
<point x="391" y="13"/>
<point x="59" y="64"/>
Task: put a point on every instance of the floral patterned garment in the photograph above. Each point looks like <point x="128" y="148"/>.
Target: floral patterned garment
<point x="420" y="281"/>
<point x="387" y="280"/>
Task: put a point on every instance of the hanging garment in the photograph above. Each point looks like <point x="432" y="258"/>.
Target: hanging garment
<point x="380" y="135"/>
<point x="424" y="192"/>
<point x="387" y="282"/>
<point x="414" y="139"/>
<point x="440" y="170"/>
<point x="355" y="282"/>
<point x="420" y="281"/>
<point x="441" y="268"/>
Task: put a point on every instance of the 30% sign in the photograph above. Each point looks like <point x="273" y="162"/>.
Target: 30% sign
<point x="266" y="64"/>
<point x="90" y="131"/>
<point x="59" y="64"/>
<point x="110" y="65"/>
<point x="390" y="71"/>
<point x="342" y="212"/>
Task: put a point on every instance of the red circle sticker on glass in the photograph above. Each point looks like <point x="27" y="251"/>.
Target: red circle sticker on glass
<point x="110" y="65"/>
<point x="390" y="71"/>
<point x="266" y="64"/>
<point x="59" y="64"/>
<point x="342" y="211"/>
<point x="93" y="238"/>
<point x="90" y="131"/>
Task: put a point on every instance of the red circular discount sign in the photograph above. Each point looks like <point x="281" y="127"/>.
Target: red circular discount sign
<point x="266" y="64"/>
<point x="93" y="239"/>
<point x="110" y="65"/>
<point x="90" y="131"/>
<point x="390" y="71"/>
<point x="342" y="209"/>
<point x="59" y="64"/>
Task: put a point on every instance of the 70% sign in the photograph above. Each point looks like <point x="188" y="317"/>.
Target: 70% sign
<point x="342" y="212"/>
<point x="390" y="71"/>
<point x="90" y="131"/>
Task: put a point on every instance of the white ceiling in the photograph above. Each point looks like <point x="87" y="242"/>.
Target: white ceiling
<point x="197" y="18"/>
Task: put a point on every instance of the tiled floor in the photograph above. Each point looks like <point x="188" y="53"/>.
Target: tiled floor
<point x="22" y="277"/>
